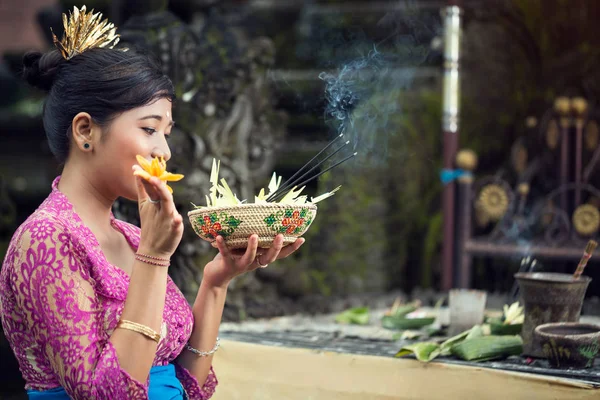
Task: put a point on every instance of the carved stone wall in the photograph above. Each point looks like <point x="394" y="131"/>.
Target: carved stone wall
<point x="224" y="110"/>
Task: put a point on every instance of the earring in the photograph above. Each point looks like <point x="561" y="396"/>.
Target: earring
<point x="86" y="146"/>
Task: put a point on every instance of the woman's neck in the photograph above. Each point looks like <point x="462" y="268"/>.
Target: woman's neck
<point x="89" y="200"/>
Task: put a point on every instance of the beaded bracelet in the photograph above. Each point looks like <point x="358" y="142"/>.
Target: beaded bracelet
<point x="204" y="353"/>
<point x="161" y="262"/>
<point x="152" y="257"/>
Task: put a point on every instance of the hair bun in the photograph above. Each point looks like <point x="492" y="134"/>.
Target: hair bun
<point x="40" y="69"/>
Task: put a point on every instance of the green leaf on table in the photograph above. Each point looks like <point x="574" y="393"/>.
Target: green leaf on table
<point x="434" y="330"/>
<point x="357" y="316"/>
<point x="483" y="348"/>
<point x="447" y="345"/>
<point x="401" y="311"/>
<point x="424" y="351"/>
<point x="410" y="335"/>
<point x="474" y="332"/>
<point x="401" y="323"/>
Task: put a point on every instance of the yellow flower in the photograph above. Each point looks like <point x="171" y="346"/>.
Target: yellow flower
<point x="157" y="168"/>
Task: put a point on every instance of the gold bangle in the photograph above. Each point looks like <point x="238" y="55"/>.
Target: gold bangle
<point x="139" y="328"/>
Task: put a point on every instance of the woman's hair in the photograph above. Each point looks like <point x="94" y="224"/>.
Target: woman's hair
<point x="102" y="82"/>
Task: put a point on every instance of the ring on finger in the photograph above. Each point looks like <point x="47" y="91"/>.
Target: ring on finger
<point x="260" y="264"/>
<point x="153" y="201"/>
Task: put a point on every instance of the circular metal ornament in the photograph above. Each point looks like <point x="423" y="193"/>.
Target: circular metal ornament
<point x="586" y="219"/>
<point x="493" y="201"/>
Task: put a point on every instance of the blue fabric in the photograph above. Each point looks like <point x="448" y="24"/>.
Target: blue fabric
<point x="164" y="385"/>
<point x="52" y="394"/>
<point x="449" y="175"/>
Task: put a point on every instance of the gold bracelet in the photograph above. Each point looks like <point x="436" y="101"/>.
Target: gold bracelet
<point x="139" y="328"/>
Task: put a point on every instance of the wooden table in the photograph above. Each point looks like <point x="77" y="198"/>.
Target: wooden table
<point x="264" y="372"/>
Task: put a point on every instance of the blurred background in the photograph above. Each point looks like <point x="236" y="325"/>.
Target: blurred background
<point x="263" y="85"/>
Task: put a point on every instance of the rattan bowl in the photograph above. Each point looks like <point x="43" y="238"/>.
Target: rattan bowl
<point x="237" y="223"/>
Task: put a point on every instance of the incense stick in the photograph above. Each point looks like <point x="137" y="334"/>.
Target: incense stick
<point x="589" y="249"/>
<point x="527" y="265"/>
<point x="291" y="183"/>
<point x="308" y="163"/>
<point x="281" y="195"/>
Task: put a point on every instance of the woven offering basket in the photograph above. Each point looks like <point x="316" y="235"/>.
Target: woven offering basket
<point x="237" y="223"/>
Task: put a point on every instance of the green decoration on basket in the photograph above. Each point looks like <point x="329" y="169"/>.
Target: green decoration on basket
<point x="215" y="224"/>
<point x="290" y="221"/>
<point x="289" y="213"/>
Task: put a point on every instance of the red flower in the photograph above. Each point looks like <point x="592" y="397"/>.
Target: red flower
<point x="211" y="230"/>
<point x="293" y="223"/>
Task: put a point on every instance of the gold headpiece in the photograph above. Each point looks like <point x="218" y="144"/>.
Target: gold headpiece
<point x="84" y="31"/>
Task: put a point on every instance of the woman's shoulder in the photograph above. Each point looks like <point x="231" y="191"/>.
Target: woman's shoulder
<point x="38" y="239"/>
<point x="55" y="213"/>
<point x="39" y="225"/>
<point x="48" y="226"/>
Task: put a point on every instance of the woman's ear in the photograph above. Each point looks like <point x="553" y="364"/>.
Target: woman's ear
<point x="85" y="132"/>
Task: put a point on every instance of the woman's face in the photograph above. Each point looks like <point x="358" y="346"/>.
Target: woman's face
<point x="142" y="131"/>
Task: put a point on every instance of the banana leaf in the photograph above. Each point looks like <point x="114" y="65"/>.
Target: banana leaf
<point x="401" y="311"/>
<point x="401" y="323"/>
<point x="498" y="327"/>
<point x="357" y="316"/>
<point x="424" y="351"/>
<point x="474" y="332"/>
<point x="485" y="348"/>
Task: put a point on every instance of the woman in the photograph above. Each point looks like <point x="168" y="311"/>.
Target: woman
<point x="85" y="299"/>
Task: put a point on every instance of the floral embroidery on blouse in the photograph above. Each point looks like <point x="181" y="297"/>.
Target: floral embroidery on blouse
<point x="60" y="300"/>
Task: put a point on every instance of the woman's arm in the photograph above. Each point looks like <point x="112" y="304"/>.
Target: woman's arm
<point x="210" y="300"/>
<point x="161" y="231"/>
<point x="144" y="304"/>
<point x="53" y="290"/>
<point x="59" y="308"/>
<point x="207" y="311"/>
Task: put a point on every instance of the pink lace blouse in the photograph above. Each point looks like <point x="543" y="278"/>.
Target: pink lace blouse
<point x="60" y="300"/>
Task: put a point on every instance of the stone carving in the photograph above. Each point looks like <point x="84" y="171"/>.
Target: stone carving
<point x="224" y="110"/>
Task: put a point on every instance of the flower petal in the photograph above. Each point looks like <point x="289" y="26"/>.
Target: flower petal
<point x="157" y="169"/>
<point x="143" y="174"/>
<point x="145" y="164"/>
<point x="167" y="176"/>
<point x="170" y="190"/>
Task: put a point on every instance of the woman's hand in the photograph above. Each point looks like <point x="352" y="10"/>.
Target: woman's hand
<point x="228" y="264"/>
<point x="162" y="225"/>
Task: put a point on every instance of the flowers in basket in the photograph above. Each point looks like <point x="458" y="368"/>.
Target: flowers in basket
<point x="222" y="195"/>
<point x="273" y="212"/>
<point x="277" y="209"/>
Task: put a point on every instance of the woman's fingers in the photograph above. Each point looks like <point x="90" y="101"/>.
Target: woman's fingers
<point x="273" y="252"/>
<point x="141" y="187"/>
<point x="238" y="263"/>
<point x="155" y="190"/>
<point x="146" y="190"/>
<point x="223" y="249"/>
<point x="250" y="254"/>
<point x="289" y="249"/>
<point x="164" y="196"/>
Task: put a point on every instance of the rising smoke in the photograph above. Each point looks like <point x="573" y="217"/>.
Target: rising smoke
<point x="364" y="88"/>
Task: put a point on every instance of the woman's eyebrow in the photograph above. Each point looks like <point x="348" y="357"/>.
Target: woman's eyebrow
<point x="157" y="117"/>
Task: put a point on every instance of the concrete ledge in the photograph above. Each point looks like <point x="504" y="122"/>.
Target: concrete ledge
<point x="251" y="371"/>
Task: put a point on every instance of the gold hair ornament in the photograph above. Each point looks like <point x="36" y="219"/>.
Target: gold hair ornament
<point x="84" y="31"/>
